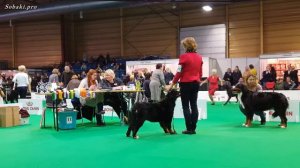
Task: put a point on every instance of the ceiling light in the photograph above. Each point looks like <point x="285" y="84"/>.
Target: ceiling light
<point x="207" y="8"/>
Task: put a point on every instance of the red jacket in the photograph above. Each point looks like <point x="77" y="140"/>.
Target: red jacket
<point x="189" y="68"/>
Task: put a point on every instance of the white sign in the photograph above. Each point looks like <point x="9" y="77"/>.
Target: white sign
<point x="220" y="96"/>
<point x="292" y="113"/>
<point x="202" y="109"/>
<point x="33" y="106"/>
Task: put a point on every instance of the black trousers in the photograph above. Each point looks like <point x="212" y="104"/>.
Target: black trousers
<point x="22" y="92"/>
<point x="189" y="95"/>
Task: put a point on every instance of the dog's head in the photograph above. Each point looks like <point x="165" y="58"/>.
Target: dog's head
<point x="173" y="94"/>
<point x="240" y="88"/>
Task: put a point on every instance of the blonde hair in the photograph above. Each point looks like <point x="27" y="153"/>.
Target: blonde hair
<point x="110" y="72"/>
<point x="189" y="43"/>
<point x="22" y="68"/>
<point x="131" y="77"/>
<point x="214" y="71"/>
<point x="55" y="71"/>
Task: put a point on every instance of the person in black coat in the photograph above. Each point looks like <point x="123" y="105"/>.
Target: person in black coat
<point x="228" y="76"/>
<point x="236" y="75"/>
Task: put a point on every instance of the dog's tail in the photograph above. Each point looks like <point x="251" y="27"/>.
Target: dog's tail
<point x="282" y="106"/>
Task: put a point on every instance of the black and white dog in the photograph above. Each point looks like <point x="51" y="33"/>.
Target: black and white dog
<point x="227" y="86"/>
<point x="253" y="103"/>
<point x="161" y="112"/>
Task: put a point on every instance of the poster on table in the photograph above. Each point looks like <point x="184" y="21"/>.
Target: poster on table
<point x="33" y="106"/>
<point x="172" y="64"/>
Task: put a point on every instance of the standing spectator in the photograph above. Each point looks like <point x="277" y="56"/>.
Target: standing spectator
<point x="294" y="76"/>
<point x="53" y="78"/>
<point x="246" y="73"/>
<point x="273" y="74"/>
<point x="236" y="75"/>
<point x="228" y="76"/>
<point x="140" y="77"/>
<point x="213" y="82"/>
<point x="190" y="73"/>
<point x="21" y="81"/>
<point x="252" y="70"/>
<point x="168" y="76"/>
<point x="157" y="83"/>
<point x="146" y="86"/>
<point x="287" y="72"/>
<point x="66" y="76"/>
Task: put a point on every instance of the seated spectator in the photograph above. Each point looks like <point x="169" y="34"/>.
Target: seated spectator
<point x="289" y="84"/>
<point x="74" y="83"/>
<point x="90" y="83"/>
<point x="83" y="67"/>
<point x="115" y="100"/>
<point x="279" y="84"/>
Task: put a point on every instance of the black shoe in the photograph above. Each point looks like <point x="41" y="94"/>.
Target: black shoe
<point x="189" y="132"/>
<point x="101" y="124"/>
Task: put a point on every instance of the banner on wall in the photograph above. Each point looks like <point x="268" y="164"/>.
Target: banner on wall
<point x="150" y="65"/>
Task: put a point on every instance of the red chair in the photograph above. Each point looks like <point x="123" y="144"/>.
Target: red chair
<point x="270" y="85"/>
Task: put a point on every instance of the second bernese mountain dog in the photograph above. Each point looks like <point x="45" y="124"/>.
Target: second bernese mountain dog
<point x="256" y="102"/>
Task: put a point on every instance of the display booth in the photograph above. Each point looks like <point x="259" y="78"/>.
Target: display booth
<point x="133" y="66"/>
<point x="280" y="62"/>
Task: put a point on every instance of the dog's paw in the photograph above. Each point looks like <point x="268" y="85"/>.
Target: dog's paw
<point x="136" y="137"/>
<point x="173" y="132"/>
<point x="245" y="125"/>
<point x="282" y="126"/>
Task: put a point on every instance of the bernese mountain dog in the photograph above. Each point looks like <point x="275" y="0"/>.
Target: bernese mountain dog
<point x="161" y="112"/>
<point x="257" y="102"/>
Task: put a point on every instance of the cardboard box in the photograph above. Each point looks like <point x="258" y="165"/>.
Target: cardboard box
<point x="9" y="116"/>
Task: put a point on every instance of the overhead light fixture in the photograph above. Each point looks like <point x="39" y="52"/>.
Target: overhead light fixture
<point x="207" y="8"/>
<point x="174" y="6"/>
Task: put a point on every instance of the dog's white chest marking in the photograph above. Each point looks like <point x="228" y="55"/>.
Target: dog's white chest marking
<point x="240" y="100"/>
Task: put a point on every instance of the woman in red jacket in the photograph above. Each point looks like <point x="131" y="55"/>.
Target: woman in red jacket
<point x="189" y="73"/>
<point x="213" y="81"/>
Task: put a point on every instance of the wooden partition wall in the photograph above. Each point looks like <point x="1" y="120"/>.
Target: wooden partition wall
<point x="253" y="28"/>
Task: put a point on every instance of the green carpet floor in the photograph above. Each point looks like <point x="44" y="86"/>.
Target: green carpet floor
<point x="220" y="141"/>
